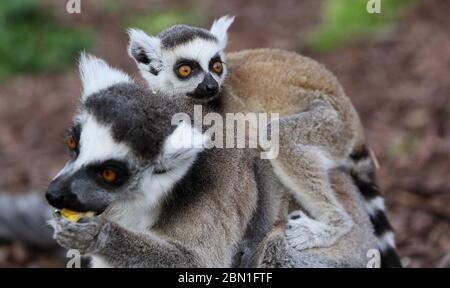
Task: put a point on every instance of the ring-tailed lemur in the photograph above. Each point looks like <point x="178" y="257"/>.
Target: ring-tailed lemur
<point x="319" y="129"/>
<point x="111" y="122"/>
<point x="163" y="204"/>
<point x="162" y="201"/>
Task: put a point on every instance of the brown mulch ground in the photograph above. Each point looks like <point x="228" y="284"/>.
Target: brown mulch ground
<point x="400" y="84"/>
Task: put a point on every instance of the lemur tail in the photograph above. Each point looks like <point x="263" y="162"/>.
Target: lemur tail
<point x="24" y="218"/>
<point x="363" y="175"/>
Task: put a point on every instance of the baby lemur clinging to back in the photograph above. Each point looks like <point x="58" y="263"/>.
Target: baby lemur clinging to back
<point x="319" y="129"/>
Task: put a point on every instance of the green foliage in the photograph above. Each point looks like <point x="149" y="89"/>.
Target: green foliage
<point x="156" y="21"/>
<point x="32" y="41"/>
<point x="346" y="20"/>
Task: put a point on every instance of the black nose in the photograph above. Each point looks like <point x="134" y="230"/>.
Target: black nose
<point x="55" y="195"/>
<point x="212" y="88"/>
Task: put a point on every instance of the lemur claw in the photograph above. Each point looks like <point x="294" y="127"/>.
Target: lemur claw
<point x="303" y="232"/>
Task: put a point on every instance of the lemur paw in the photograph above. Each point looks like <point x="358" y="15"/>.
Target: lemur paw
<point x="303" y="232"/>
<point x="83" y="235"/>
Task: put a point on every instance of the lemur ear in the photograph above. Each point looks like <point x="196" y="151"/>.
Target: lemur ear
<point x="184" y="143"/>
<point x="219" y="29"/>
<point x="145" y="50"/>
<point x="97" y="75"/>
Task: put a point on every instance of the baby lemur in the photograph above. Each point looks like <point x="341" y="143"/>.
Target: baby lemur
<point x="160" y="201"/>
<point x="319" y="129"/>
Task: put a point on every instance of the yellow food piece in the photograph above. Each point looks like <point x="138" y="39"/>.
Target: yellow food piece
<point x="74" y="216"/>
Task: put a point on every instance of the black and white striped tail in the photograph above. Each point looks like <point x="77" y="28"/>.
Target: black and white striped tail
<point x="24" y="218"/>
<point x="363" y="175"/>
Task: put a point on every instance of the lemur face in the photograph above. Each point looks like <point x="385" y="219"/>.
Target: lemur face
<point x="183" y="60"/>
<point x="122" y="145"/>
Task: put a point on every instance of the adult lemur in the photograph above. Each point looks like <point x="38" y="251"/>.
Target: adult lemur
<point x="319" y="128"/>
<point x="164" y="202"/>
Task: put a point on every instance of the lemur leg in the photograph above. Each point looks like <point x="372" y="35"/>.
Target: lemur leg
<point x="311" y="143"/>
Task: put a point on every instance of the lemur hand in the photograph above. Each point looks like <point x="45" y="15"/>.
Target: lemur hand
<point x="85" y="235"/>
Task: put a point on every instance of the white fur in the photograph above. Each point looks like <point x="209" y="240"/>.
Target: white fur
<point x="151" y="45"/>
<point x="140" y="39"/>
<point x="176" y="159"/>
<point x="184" y="142"/>
<point x="387" y="240"/>
<point x="99" y="262"/>
<point x="97" y="75"/>
<point x="374" y="205"/>
<point x="97" y="143"/>
<point x="199" y="50"/>
<point x="137" y="214"/>
<point x="220" y="27"/>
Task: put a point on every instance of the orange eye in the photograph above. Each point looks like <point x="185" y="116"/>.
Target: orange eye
<point x="184" y="70"/>
<point x="217" y="67"/>
<point x="110" y="176"/>
<point x="71" y="143"/>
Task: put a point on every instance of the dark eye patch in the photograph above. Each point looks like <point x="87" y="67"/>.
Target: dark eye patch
<point x="195" y="66"/>
<point x="75" y="132"/>
<point x="214" y="60"/>
<point x="140" y="56"/>
<point x="121" y="168"/>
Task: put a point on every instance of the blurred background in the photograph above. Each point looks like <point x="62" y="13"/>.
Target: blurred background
<point x="395" y="66"/>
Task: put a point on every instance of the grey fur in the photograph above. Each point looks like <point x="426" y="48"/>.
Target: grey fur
<point x="145" y="128"/>
<point x="181" y="34"/>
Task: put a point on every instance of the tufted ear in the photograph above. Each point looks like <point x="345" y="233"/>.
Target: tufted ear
<point x="220" y="27"/>
<point x="97" y="75"/>
<point x="145" y="50"/>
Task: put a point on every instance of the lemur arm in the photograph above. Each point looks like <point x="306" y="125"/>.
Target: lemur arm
<point x="116" y="246"/>
<point x="123" y="248"/>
